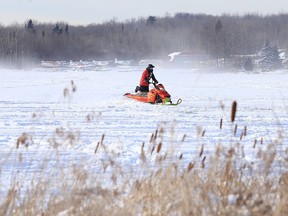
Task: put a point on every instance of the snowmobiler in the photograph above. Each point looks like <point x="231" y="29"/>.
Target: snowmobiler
<point x="145" y="79"/>
<point x="157" y="95"/>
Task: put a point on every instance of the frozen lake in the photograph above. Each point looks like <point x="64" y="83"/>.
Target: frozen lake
<point x="33" y="102"/>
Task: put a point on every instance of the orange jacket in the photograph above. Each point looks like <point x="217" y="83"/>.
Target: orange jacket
<point x="144" y="81"/>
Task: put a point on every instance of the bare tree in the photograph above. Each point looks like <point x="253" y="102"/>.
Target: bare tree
<point x="221" y="37"/>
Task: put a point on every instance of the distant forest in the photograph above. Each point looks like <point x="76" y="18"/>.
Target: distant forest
<point x="151" y="37"/>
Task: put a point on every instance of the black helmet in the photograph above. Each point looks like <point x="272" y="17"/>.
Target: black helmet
<point x="151" y="66"/>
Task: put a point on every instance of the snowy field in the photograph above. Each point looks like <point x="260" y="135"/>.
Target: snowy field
<point x="33" y="102"/>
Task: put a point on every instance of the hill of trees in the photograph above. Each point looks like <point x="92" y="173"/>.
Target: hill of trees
<point x="152" y="37"/>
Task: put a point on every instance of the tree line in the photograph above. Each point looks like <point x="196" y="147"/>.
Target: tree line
<point x="151" y="37"/>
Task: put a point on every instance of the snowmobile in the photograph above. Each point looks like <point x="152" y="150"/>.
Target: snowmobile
<point x="157" y="95"/>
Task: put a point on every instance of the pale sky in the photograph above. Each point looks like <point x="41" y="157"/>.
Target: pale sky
<point x="83" y="12"/>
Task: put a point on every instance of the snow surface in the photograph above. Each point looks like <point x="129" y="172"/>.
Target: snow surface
<point x="33" y="102"/>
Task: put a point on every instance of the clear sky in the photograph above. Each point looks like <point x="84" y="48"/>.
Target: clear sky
<point x="83" y="12"/>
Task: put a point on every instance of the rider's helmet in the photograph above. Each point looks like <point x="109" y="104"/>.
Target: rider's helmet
<point x="150" y="68"/>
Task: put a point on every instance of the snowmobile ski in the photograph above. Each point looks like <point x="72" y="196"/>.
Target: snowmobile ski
<point x="179" y="101"/>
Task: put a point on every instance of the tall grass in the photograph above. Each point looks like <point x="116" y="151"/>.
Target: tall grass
<point x="220" y="185"/>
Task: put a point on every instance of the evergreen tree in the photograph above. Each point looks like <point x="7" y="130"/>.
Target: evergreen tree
<point x="67" y="29"/>
<point x="30" y="24"/>
<point x="57" y="29"/>
<point x="270" y="59"/>
<point x="151" y="20"/>
<point x="248" y="64"/>
<point x="218" y="26"/>
<point x="219" y="42"/>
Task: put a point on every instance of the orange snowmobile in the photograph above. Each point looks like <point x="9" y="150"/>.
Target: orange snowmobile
<point x="157" y="95"/>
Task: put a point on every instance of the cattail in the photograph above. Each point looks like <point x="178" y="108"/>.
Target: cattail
<point x="184" y="136"/>
<point x="97" y="147"/>
<point x="153" y="148"/>
<point x="156" y="133"/>
<point x="190" y="166"/>
<point x="233" y="111"/>
<point x="221" y="122"/>
<point x="202" y="150"/>
<point x="102" y="139"/>
<point x="74" y="88"/>
<point x="152" y="137"/>
<point x="235" y="129"/>
<point x="159" y="147"/>
<point x="181" y="156"/>
<point x="203" y="133"/>
<point x="241" y="136"/>
<point x="203" y="162"/>
<point x="66" y="92"/>
<point x="245" y="131"/>
<point x="255" y="142"/>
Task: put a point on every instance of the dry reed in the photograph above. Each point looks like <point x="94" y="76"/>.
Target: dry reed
<point x="215" y="185"/>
